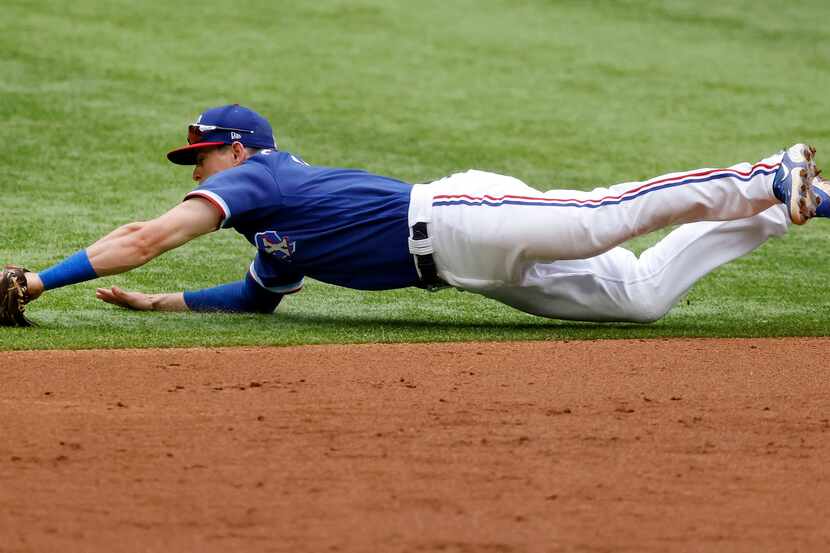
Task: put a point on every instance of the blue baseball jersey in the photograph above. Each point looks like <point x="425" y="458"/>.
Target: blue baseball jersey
<point x="342" y="226"/>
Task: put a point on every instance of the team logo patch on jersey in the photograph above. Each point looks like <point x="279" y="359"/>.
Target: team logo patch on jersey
<point x="270" y="242"/>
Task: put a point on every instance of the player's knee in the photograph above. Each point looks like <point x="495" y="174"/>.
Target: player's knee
<point x="646" y="310"/>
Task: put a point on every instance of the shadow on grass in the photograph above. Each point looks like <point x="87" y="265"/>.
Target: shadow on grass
<point x="143" y="329"/>
<point x="419" y="328"/>
<point x="424" y="323"/>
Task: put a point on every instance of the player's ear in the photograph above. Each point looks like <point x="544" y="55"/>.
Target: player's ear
<point x="240" y="154"/>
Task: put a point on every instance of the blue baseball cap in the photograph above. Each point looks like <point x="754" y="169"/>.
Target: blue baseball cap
<point x="224" y="125"/>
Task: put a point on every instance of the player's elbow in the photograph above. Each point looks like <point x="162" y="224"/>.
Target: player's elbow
<point x="143" y="243"/>
<point x="264" y="309"/>
<point x="264" y="305"/>
<point x="646" y="309"/>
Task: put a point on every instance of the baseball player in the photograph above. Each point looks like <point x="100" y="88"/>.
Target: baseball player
<point x="554" y="254"/>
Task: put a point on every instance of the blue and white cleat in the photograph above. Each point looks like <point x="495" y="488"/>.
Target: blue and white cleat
<point x="821" y="188"/>
<point x="793" y="183"/>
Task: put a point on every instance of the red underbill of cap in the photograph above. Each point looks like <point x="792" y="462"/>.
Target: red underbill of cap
<point x="186" y="155"/>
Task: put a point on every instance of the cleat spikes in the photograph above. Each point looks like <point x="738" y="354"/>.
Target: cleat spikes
<point x="794" y="185"/>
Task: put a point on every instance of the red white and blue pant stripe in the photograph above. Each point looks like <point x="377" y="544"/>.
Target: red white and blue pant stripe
<point x="495" y="235"/>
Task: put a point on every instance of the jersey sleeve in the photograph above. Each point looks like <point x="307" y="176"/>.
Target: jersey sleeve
<point x="275" y="276"/>
<point x="238" y="191"/>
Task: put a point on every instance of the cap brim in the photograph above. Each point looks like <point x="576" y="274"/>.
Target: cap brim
<point x="186" y="155"/>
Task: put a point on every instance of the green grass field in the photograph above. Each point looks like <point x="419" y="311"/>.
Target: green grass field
<point x="560" y="94"/>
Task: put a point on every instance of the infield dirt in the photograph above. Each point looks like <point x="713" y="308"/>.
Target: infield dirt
<point x="690" y="445"/>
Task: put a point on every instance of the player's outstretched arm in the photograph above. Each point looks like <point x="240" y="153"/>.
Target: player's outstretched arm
<point x="244" y="296"/>
<point x="129" y="246"/>
<point x="135" y="244"/>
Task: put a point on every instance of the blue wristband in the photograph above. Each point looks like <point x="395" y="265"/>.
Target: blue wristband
<point x="72" y="270"/>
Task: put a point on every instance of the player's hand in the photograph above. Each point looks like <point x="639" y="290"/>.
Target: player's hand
<point x="122" y="298"/>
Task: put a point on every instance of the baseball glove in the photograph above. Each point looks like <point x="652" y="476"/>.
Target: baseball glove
<point x="14" y="293"/>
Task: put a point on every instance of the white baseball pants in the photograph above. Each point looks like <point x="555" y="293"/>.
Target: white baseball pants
<point x="556" y="253"/>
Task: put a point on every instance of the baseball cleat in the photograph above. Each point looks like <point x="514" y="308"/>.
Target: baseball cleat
<point x="821" y="188"/>
<point x="793" y="183"/>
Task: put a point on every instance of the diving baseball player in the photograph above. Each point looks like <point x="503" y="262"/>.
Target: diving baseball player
<point x="554" y="254"/>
